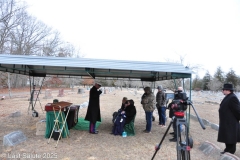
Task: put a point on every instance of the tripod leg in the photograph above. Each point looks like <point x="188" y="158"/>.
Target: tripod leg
<point x="183" y="148"/>
<point x="159" y="145"/>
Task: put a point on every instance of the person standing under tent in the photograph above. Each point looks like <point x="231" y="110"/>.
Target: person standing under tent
<point x="93" y="112"/>
<point x="160" y="99"/>
<point x="148" y="103"/>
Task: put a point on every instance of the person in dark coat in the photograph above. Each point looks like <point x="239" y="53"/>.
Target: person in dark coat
<point x="161" y="107"/>
<point x="129" y="111"/>
<point x="229" y="116"/>
<point x="171" y="114"/>
<point x="93" y="112"/>
<point x="125" y="116"/>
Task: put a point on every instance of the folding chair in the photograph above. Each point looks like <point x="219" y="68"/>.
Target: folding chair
<point x="129" y="128"/>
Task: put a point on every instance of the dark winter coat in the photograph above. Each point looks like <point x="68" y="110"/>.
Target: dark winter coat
<point x="93" y="111"/>
<point x="130" y="112"/>
<point x="160" y="99"/>
<point x="229" y="116"/>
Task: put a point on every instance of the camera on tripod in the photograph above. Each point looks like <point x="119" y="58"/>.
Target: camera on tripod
<point x="178" y="105"/>
<point x="180" y="101"/>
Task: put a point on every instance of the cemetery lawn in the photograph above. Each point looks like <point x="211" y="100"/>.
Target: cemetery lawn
<point x="80" y="145"/>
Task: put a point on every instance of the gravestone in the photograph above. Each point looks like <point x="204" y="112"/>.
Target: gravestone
<point x="80" y="90"/>
<point x="48" y="94"/>
<point x="210" y="150"/>
<point x="105" y="91"/>
<point x="41" y="127"/>
<point x="61" y="93"/>
<point x="83" y="105"/>
<point x="15" y="114"/>
<point x="13" y="138"/>
<point x="135" y="92"/>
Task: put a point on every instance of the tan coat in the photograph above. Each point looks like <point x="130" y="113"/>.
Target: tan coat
<point x="148" y="100"/>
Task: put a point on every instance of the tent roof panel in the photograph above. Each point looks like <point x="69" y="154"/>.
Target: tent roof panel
<point x="41" y="66"/>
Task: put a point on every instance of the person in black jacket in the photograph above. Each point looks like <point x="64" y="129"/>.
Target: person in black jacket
<point x="229" y="116"/>
<point x="171" y="114"/>
<point x="129" y="111"/>
<point x="161" y="107"/>
<point x="93" y="112"/>
<point x="125" y="116"/>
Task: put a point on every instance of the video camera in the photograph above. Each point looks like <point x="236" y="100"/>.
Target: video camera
<point x="180" y="101"/>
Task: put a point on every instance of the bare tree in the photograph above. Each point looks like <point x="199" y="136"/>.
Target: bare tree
<point x="28" y="35"/>
<point x="215" y="84"/>
<point x="51" y="44"/>
<point x="23" y="34"/>
<point x="9" y="10"/>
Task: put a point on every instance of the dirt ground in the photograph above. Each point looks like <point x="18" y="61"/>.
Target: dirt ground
<point x="80" y="145"/>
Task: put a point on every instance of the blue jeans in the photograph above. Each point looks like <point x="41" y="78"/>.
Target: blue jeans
<point x="162" y="115"/>
<point x="149" y="120"/>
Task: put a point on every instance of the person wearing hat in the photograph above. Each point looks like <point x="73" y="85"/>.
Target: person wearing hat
<point x="171" y="115"/>
<point x="160" y="99"/>
<point x="93" y="112"/>
<point x="229" y="116"/>
<point x="148" y="102"/>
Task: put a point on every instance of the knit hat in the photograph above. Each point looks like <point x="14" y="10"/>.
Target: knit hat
<point x="160" y="87"/>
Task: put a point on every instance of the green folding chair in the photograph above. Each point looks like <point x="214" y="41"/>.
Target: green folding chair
<point x="129" y="128"/>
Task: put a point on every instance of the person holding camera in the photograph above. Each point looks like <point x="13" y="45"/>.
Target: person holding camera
<point x="160" y="99"/>
<point x="171" y="114"/>
<point x="93" y="112"/>
<point x="148" y="103"/>
<point x="229" y="116"/>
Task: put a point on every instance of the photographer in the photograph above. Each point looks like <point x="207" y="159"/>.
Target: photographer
<point x="172" y="108"/>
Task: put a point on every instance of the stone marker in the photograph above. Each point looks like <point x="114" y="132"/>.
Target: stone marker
<point x="83" y="105"/>
<point x="41" y="127"/>
<point x="210" y="149"/>
<point x="229" y="156"/>
<point x="48" y="94"/>
<point x="105" y="91"/>
<point x="13" y="138"/>
<point x="15" y="114"/>
<point x="61" y="93"/>
<point x="80" y="90"/>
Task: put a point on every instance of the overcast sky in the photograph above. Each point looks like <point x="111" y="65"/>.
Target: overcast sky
<point x="205" y="32"/>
